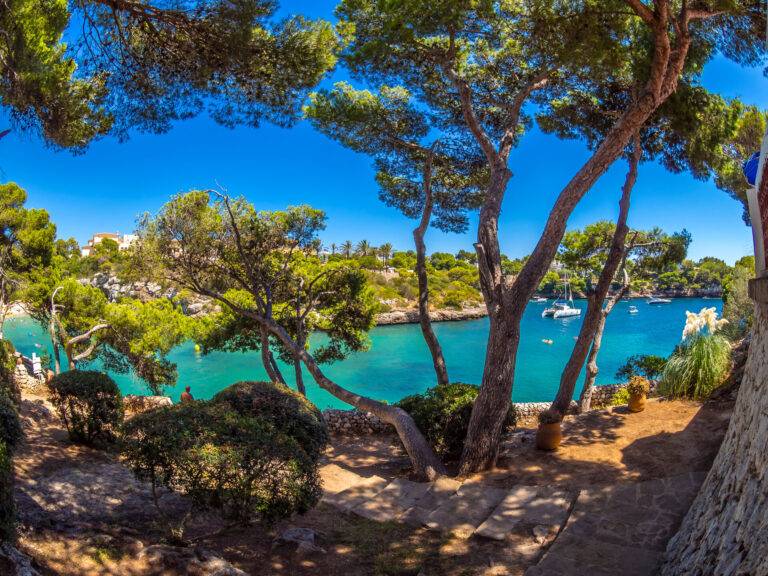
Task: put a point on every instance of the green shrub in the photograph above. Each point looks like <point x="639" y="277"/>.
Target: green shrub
<point x="7" y="509"/>
<point x="90" y="405"/>
<point x="10" y="426"/>
<point x="243" y="466"/>
<point x="698" y="366"/>
<point x="638" y="385"/>
<point x="289" y="412"/>
<point x="646" y="365"/>
<point x="549" y="417"/>
<point x="442" y="414"/>
<point x="619" y="398"/>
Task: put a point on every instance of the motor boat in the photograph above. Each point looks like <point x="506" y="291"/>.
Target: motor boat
<point x="658" y="300"/>
<point x="538" y="300"/>
<point x="563" y="308"/>
<point x="633" y="310"/>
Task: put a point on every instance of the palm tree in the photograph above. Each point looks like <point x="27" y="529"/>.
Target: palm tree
<point x="346" y="248"/>
<point x="385" y="250"/>
<point x="362" y="248"/>
<point x="333" y="249"/>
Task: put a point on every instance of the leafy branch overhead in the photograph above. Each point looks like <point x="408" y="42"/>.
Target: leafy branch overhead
<point x="143" y="64"/>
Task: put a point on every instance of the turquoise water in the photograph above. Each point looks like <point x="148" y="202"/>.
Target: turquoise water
<point x="398" y="362"/>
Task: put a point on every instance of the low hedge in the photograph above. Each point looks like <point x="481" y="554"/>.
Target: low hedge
<point x="442" y="414"/>
<point x="90" y="405"/>
<point x="287" y="410"/>
<point x="247" y="458"/>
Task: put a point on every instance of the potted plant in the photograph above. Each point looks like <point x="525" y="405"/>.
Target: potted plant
<point x="638" y="388"/>
<point x="549" y="435"/>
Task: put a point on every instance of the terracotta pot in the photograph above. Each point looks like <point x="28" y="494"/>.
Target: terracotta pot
<point x="548" y="436"/>
<point x="636" y="402"/>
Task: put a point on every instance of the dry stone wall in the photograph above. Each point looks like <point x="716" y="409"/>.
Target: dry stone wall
<point x="726" y="530"/>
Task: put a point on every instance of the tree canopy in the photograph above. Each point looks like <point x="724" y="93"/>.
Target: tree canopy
<point x="144" y="64"/>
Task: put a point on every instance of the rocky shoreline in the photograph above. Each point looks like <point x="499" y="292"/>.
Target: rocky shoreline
<point x="411" y="316"/>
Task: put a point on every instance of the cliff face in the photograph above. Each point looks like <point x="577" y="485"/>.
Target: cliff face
<point x="726" y="530"/>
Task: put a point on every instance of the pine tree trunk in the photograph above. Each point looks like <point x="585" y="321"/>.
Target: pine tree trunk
<point x="425" y="321"/>
<point x="724" y="533"/>
<point x="665" y="71"/>
<point x="595" y="303"/>
<point x="273" y="371"/>
<point x="585" y="400"/>
<point x="299" y="377"/>
<point x="492" y="404"/>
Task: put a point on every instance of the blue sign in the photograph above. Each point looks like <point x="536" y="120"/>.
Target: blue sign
<point x="750" y="168"/>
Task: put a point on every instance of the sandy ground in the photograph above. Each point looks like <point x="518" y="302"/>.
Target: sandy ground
<point x="82" y="513"/>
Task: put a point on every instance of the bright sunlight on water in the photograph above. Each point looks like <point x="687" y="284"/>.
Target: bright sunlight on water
<point x="398" y="361"/>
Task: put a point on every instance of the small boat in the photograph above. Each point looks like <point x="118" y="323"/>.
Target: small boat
<point x="633" y="310"/>
<point x="565" y="308"/>
<point x="547" y="341"/>
<point x="538" y="299"/>
<point x="658" y="300"/>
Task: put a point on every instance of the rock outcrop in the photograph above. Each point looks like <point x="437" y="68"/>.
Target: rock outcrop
<point x="411" y="316"/>
<point x="145" y="290"/>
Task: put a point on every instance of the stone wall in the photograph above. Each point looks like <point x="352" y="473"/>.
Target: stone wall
<point x="725" y="532"/>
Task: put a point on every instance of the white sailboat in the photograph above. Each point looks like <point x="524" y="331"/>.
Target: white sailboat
<point x="564" y="308"/>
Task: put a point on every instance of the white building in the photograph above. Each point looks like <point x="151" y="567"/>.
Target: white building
<point x="123" y="241"/>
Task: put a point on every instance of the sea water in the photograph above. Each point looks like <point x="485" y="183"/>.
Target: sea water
<point x="398" y="361"/>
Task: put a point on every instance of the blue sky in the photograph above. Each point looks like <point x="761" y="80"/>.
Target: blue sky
<point x="106" y="188"/>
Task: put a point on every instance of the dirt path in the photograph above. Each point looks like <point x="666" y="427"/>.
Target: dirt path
<point x="82" y="513"/>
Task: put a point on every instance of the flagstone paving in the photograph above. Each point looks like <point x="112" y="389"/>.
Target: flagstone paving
<point x="621" y="529"/>
<point x="604" y="531"/>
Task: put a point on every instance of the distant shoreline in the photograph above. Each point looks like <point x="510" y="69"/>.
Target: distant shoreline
<point x="411" y="315"/>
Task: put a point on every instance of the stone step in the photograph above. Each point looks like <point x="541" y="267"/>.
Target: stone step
<point x="398" y="497"/>
<point x="574" y="556"/>
<point x="365" y="489"/>
<point x="463" y="512"/>
<point x="436" y="495"/>
<point x="527" y="507"/>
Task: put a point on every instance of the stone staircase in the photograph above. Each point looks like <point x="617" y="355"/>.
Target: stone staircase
<point x="604" y="531"/>
<point x="447" y="505"/>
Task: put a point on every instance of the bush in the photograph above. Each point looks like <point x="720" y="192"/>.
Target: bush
<point x="90" y="405"/>
<point x="7" y="510"/>
<point x="698" y="366"/>
<point x="442" y="414"/>
<point x="638" y="385"/>
<point x="549" y="417"/>
<point x="646" y="365"/>
<point x="10" y="426"/>
<point x="244" y="466"/>
<point x="289" y="412"/>
<point x="620" y="397"/>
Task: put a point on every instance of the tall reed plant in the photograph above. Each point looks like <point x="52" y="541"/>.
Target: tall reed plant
<point x="701" y="362"/>
<point x="699" y="365"/>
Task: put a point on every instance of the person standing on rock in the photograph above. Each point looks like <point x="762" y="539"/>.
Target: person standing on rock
<point x="186" y="396"/>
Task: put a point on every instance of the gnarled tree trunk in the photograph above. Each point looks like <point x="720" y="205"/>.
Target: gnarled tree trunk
<point x="268" y="360"/>
<point x="484" y="434"/>
<point x="585" y="400"/>
<point x="425" y="321"/>
<point x="726" y="530"/>
<point x="595" y="311"/>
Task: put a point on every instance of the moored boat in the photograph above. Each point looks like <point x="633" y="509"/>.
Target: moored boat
<point x="658" y="300"/>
